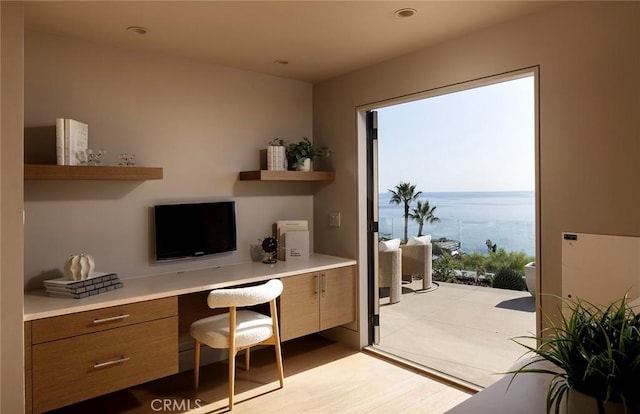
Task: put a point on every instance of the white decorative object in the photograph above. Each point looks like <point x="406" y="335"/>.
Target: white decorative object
<point x="79" y="267"/>
<point x="304" y="165"/>
<point x="127" y="160"/>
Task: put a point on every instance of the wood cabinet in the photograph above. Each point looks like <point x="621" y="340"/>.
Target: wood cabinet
<point x="82" y="355"/>
<point x="312" y="302"/>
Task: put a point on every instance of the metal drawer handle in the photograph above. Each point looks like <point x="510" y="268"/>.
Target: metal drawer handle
<point x="113" y="362"/>
<point x="113" y="318"/>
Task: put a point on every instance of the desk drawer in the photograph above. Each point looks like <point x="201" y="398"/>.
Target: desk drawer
<point x="75" y="369"/>
<point x="81" y="323"/>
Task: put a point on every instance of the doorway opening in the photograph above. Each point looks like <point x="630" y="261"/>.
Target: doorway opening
<point x="453" y="213"/>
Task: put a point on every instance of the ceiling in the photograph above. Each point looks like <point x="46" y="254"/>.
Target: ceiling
<point x="319" y="39"/>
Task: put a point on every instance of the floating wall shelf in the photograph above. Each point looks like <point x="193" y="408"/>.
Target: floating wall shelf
<point x="83" y="172"/>
<point x="266" y="175"/>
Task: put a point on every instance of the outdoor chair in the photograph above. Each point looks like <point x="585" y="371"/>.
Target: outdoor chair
<point x="417" y="261"/>
<point x="239" y="329"/>
<point x="390" y="273"/>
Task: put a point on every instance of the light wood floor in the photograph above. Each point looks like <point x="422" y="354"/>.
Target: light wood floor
<point x="320" y="377"/>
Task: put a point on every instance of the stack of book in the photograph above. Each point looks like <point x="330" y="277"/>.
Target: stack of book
<point x="97" y="283"/>
<point x="72" y="140"/>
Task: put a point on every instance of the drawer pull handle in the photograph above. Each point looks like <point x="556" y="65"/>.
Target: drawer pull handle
<point x="113" y="318"/>
<point x="112" y="362"/>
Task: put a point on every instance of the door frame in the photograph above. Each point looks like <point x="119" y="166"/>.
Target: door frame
<point x="367" y="275"/>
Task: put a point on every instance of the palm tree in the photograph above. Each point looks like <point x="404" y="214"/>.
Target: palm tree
<point x="404" y="193"/>
<point x="423" y="212"/>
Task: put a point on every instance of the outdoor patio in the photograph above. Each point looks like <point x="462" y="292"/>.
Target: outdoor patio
<point x="461" y="330"/>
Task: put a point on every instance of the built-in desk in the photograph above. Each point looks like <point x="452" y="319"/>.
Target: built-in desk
<point x="77" y="349"/>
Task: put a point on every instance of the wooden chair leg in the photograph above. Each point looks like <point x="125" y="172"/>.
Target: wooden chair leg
<point x="232" y="375"/>
<point x="276" y="337"/>
<point x="196" y="363"/>
<point x="232" y="354"/>
<point x="247" y="358"/>
<point x="279" y="362"/>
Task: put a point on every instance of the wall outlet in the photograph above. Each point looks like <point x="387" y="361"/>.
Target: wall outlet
<point x="334" y="219"/>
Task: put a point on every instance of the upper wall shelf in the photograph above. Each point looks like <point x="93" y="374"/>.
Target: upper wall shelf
<point x="83" y="172"/>
<point x="266" y="175"/>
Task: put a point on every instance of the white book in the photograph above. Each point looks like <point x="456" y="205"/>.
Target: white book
<point x="76" y="141"/>
<point x="283" y="226"/>
<point x="60" y="141"/>
<point x="297" y="245"/>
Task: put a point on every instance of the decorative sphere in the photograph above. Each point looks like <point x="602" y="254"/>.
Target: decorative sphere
<point x="79" y="267"/>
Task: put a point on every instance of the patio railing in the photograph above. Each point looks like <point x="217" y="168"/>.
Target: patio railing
<point x="473" y="235"/>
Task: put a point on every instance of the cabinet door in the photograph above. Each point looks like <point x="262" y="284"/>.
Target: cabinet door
<point x="337" y="297"/>
<point x="299" y="306"/>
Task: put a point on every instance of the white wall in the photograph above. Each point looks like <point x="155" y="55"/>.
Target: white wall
<point x="203" y="123"/>
<point x="11" y="239"/>
<point x="589" y="124"/>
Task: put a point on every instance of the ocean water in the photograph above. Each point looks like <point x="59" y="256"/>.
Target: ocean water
<point x="506" y="218"/>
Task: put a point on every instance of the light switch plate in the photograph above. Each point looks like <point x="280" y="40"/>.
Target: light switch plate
<point x="334" y="219"/>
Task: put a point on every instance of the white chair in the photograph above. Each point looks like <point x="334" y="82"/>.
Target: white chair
<point x="241" y="329"/>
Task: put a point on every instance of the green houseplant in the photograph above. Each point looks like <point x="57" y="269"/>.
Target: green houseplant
<point x="299" y="152"/>
<point x="597" y="351"/>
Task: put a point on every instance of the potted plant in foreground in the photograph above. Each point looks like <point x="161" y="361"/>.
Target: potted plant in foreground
<point x="597" y="351"/>
<point x="301" y="153"/>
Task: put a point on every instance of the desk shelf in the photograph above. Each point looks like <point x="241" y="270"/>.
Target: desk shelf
<point x="266" y="175"/>
<point x="84" y="172"/>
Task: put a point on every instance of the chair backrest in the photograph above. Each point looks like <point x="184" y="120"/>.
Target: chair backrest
<point x="247" y="296"/>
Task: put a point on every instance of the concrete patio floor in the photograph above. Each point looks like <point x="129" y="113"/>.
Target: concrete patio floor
<point x="463" y="331"/>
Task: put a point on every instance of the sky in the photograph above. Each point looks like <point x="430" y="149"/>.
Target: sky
<point x="480" y="139"/>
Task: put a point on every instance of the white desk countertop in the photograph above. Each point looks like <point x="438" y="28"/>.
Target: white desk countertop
<point x="37" y="304"/>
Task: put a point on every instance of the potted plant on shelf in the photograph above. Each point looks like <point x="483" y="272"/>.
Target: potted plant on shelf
<point x="301" y="153"/>
<point x="597" y="353"/>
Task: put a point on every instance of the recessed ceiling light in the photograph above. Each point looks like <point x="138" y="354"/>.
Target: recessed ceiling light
<point x="137" y="30"/>
<point x="281" y="62"/>
<point x="405" y="13"/>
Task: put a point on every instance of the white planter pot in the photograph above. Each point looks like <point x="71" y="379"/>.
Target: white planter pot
<point x="530" y="277"/>
<point x="305" y="165"/>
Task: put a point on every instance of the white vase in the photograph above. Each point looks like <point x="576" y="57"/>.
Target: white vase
<point x="79" y="267"/>
<point x="305" y="165"/>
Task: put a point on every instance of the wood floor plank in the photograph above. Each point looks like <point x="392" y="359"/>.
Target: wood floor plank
<point x="320" y="377"/>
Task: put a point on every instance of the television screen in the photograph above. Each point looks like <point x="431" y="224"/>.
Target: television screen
<point x="193" y="230"/>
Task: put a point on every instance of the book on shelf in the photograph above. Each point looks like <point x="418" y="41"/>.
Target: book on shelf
<point x="94" y="278"/>
<point x="72" y="141"/>
<point x="84" y="294"/>
<point x="60" y="141"/>
<point x="97" y="283"/>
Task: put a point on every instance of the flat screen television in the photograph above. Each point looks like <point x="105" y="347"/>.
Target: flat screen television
<point x="194" y="230"/>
